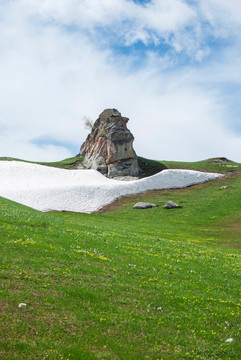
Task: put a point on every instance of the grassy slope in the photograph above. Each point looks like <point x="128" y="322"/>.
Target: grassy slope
<point x="211" y="165"/>
<point x="208" y="212"/>
<point x="121" y="285"/>
<point x="70" y="163"/>
<point x="150" y="167"/>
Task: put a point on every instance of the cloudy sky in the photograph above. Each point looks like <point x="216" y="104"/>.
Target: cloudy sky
<point x="172" y="66"/>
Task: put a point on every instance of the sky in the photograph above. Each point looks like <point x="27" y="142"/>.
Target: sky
<point x="173" y="67"/>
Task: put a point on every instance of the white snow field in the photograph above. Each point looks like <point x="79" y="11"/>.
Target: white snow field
<point x="46" y="188"/>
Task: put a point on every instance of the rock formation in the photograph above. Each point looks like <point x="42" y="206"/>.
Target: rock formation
<point x="108" y="148"/>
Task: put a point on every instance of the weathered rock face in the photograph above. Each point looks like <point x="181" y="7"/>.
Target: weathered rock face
<point x="108" y="148"/>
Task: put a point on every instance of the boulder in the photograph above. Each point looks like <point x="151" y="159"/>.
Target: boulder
<point x="171" y="205"/>
<point x="108" y="148"/>
<point x="143" y="205"/>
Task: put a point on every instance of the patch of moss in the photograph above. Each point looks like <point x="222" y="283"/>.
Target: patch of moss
<point x="102" y="133"/>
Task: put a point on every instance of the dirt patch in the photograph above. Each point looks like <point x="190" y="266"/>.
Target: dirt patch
<point x="232" y="173"/>
<point x="234" y="224"/>
<point x="233" y="245"/>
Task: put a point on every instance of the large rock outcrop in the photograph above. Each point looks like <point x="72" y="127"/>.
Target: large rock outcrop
<point x="108" y="148"/>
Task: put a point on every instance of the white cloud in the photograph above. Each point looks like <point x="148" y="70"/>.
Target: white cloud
<point x="217" y="12"/>
<point x="181" y="24"/>
<point x="158" y="14"/>
<point x="166" y="16"/>
<point x="131" y="22"/>
<point x="51" y="77"/>
<point x="15" y="143"/>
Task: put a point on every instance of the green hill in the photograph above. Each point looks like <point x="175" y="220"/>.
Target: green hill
<point x="124" y="283"/>
<point x="150" y="167"/>
<point x="70" y="163"/>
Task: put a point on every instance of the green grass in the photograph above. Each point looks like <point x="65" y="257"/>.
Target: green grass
<point x="70" y="163"/>
<point x="209" y="213"/>
<point x="222" y="165"/>
<point x="124" y="284"/>
<point x="149" y="167"/>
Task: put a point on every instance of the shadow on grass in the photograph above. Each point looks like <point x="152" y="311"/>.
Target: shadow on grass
<point x="149" y="167"/>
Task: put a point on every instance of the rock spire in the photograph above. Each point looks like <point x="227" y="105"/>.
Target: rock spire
<point x="109" y="146"/>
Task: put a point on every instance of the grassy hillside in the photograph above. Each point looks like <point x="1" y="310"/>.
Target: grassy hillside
<point x="70" y="163"/>
<point x="220" y="164"/>
<point x="150" y="167"/>
<point x="124" y="283"/>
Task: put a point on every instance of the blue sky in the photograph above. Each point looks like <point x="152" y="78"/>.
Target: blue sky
<point x="171" y="66"/>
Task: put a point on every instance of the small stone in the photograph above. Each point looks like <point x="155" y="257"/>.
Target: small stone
<point x="171" y="205"/>
<point x="22" y="305"/>
<point x="143" y="205"/>
<point x="229" y="340"/>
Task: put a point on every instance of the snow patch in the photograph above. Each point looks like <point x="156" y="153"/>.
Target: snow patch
<point x="46" y="188"/>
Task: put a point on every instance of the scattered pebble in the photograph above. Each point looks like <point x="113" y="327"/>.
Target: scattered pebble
<point x="171" y="205"/>
<point x="159" y="308"/>
<point x="22" y="305"/>
<point x="229" y="340"/>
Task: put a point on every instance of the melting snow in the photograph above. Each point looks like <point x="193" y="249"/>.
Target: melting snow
<point x="46" y="188"/>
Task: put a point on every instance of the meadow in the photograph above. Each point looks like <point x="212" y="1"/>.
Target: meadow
<point x="124" y="283"/>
